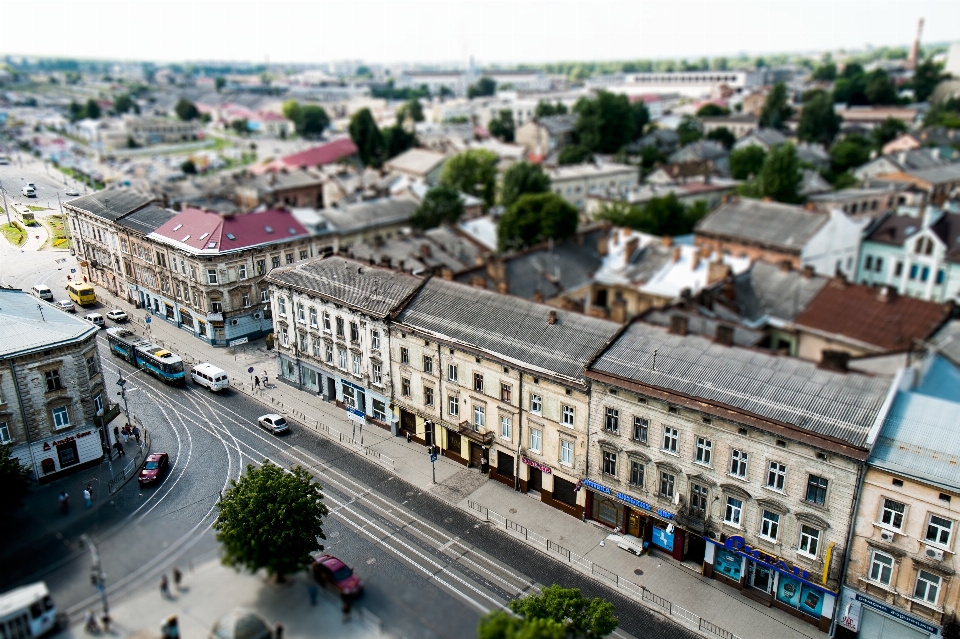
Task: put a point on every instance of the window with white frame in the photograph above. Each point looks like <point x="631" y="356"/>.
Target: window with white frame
<point x="566" y="415"/>
<point x="375" y="340"/>
<point x="636" y="474"/>
<point x="328" y="352"/>
<point x="938" y="530"/>
<point x="670" y="437"/>
<point x="640" y="428"/>
<point x="609" y="463"/>
<point x="566" y="452"/>
<point x="776" y="476"/>
<point x="281" y="306"/>
<point x="342" y="356"/>
<point x="4" y="433"/>
<point x="264" y="296"/>
<point x="733" y="512"/>
<point x="892" y="514"/>
<point x="211" y="276"/>
<point x="405" y="387"/>
<point x="313" y="316"/>
<point x="326" y="322"/>
<point x="357" y="365"/>
<point x="316" y="348"/>
<point x="668" y="483"/>
<point x="809" y="541"/>
<point x="738" y="463"/>
<point x="301" y="316"/>
<point x="769" y="525"/>
<point x="881" y="567"/>
<point x="241" y="271"/>
<point x="611" y="420"/>
<point x="536" y="440"/>
<point x="451" y="372"/>
<point x="61" y="419"/>
<point x="704" y="450"/>
<point x="284" y="336"/>
<point x="479" y="417"/>
<point x="927" y="588"/>
<point x="454" y="405"/>
<point x="303" y="342"/>
<point x="505" y="427"/>
<point x="376" y="374"/>
<point x="536" y="404"/>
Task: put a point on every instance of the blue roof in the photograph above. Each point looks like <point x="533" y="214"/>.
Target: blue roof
<point x="941" y="380"/>
<point x="29" y="324"/>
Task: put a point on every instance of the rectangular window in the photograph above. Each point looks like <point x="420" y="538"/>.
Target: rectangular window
<point x="938" y="530"/>
<point x="53" y="380"/>
<point x="241" y="271"/>
<point x="405" y="386"/>
<point x="776" y="476"/>
<point x="704" y="450"/>
<point x="566" y="415"/>
<point x="313" y="317"/>
<point x="427" y="396"/>
<point x="289" y="258"/>
<point x="284" y="336"/>
<point x="769" y="525"/>
<point x="357" y="365"/>
<point x="670" y="436"/>
<point x="354" y="332"/>
<point x="478" y="382"/>
<point x="479" y="417"/>
<point x="61" y="419"/>
<point x="566" y="452"/>
<point x="301" y="316"/>
<point x="881" y="567"/>
<point x="316" y="348"/>
<point x="738" y="463"/>
<point x="404" y="355"/>
<point x="609" y="463"/>
<point x="454" y="407"/>
<point x="451" y="372"/>
<point x="698" y="500"/>
<point x="303" y="342"/>
<point x="329" y="353"/>
<point x="868" y="263"/>
<point x="376" y="374"/>
<point x="536" y="440"/>
<point x="92" y="366"/>
<point x="339" y="327"/>
<point x="611" y="421"/>
<point x="4" y="433"/>
<point x="879" y="265"/>
<point x="427" y="364"/>
<point x="379" y="410"/>
<point x="275" y="260"/>
<point x="212" y="276"/>
<point x="536" y="404"/>
<point x="505" y="424"/>
<point x="281" y="306"/>
<point x="925" y="274"/>
<point x="817" y="490"/>
<point x="326" y="321"/>
<point x="261" y="268"/>
<point x="342" y="356"/>
<point x="636" y="474"/>
<point x="898" y="269"/>
<point x="809" y="540"/>
<point x="375" y="340"/>
<point x="892" y="514"/>
<point x="913" y="271"/>
<point x="348" y="396"/>
<point x="667" y="483"/>
<point x="928" y="587"/>
<point x="245" y="299"/>
<point x="505" y="391"/>
<point x="640" y="428"/>
<point x="940" y="275"/>
<point x="733" y="511"/>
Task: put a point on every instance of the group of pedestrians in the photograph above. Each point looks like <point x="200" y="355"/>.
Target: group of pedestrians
<point x="257" y="381"/>
<point x="165" y="583"/>
<point x="123" y="435"/>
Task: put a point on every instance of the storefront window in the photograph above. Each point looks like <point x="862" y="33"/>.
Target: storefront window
<point x="728" y="564"/>
<point x="663" y="537"/>
<point x="607" y="511"/>
<point x="799" y="595"/>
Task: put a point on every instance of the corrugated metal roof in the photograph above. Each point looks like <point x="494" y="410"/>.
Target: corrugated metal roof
<point x="30" y="324"/>
<point x="766" y="223"/>
<point x="111" y="203"/>
<point x="784" y="389"/>
<point x="508" y="327"/>
<point x="375" y="291"/>
<point x="768" y="291"/>
<point x="146" y="220"/>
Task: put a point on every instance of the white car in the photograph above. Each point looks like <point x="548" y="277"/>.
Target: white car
<point x="72" y="192"/>
<point x="274" y="423"/>
<point x="66" y="305"/>
<point x="96" y="319"/>
<point x="29" y="191"/>
<point x="118" y="316"/>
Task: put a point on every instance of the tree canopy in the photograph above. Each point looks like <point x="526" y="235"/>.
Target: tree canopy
<point x="574" y="154"/>
<point x="724" y="136"/>
<point x="186" y="110"/>
<point x="856" y="87"/>
<point x="946" y="114"/>
<point x="219" y="83"/>
<point x="271" y="519"/>
<point x="367" y="137"/>
<point x="665" y="215"/>
<point x="499" y="624"/>
<point x="545" y="109"/>
<point x="926" y="77"/>
<point x="411" y="109"/>
<point x="826" y="72"/>
<point x="819" y="121"/>
<point x="523" y="178"/>
<point x="124" y="103"/>
<point x="473" y="172"/>
<point x="608" y="122"/>
<point x="689" y="130"/>
<point x="15" y="480"/>
<point x="849" y="153"/>
<point x="886" y="131"/>
<point x="441" y="205"/>
<point x="711" y="110"/>
<point x="484" y="87"/>
<point x="312" y="120"/>
<point x="745" y="163"/>
<point x="397" y="139"/>
<point x="579" y="616"/>
<point x="502" y="126"/>
<point x="779" y="177"/>
<point x="535" y="218"/>
<point x="776" y="110"/>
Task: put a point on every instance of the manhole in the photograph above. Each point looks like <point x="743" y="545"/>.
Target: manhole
<point x="370" y="562"/>
<point x="638" y="572"/>
<point x="410" y="493"/>
<point x="448" y="520"/>
<point x="334" y="534"/>
<point x="513" y="511"/>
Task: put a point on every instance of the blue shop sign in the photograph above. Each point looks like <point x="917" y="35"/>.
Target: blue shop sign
<point x="599" y="487"/>
<point x="737" y="544"/>
<point x="897" y="614"/>
<point x="352" y="385"/>
<point x="633" y="501"/>
<point x="662" y="538"/>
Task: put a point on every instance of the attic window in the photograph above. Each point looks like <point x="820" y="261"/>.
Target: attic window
<point x="292" y="230"/>
<point x="211" y="245"/>
<point x="231" y="236"/>
<point x="185" y="239"/>
<point x="204" y="236"/>
<point x="268" y="229"/>
<point x="177" y="227"/>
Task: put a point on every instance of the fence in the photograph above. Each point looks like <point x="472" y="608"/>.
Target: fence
<point x="635" y="591"/>
<point x="130" y="468"/>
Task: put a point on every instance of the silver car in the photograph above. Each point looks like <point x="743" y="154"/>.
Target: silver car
<point x="274" y="423"/>
<point x="66" y="305"/>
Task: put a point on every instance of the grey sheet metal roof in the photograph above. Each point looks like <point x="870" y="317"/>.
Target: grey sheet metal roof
<point x="29" y="324"/>
<point x="938" y="174"/>
<point x="375" y="291"/>
<point x="947" y="341"/>
<point x="773" y="224"/>
<point x="558" y="124"/>
<point x="788" y="390"/>
<point x="355" y="217"/>
<point x="146" y="220"/>
<point x="768" y="291"/>
<point x="508" y="327"/>
<point x="112" y="203"/>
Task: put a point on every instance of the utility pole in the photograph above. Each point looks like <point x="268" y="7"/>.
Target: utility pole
<point x="433" y="448"/>
<point x="5" y="207"/>
<point x="97" y="577"/>
<point x="122" y="383"/>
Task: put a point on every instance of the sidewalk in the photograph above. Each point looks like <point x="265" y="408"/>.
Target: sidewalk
<point x="659" y="582"/>
<point x="210" y="590"/>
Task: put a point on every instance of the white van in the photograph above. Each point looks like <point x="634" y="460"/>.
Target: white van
<point x="208" y="375"/>
<point x="29" y="191"/>
<point x="43" y="292"/>
<point x="96" y="319"/>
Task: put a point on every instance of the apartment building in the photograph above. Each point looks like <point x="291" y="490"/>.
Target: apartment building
<point x="576" y="181"/>
<point x="742" y="464"/>
<point x="497" y="383"/>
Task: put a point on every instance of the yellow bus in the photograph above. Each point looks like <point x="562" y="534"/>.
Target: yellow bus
<point x="82" y="294"/>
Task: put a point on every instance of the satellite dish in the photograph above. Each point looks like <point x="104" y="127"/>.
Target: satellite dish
<point x="670" y="529"/>
<point x="676" y="499"/>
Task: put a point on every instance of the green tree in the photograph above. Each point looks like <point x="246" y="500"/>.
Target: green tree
<point x="880" y="89"/>
<point x="826" y="72"/>
<point x="364" y="72"/>
<point x="520" y="179"/>
<point x="888" y="130"/>
<point x="849" y="153"/>
<point x="186" y="110"/>
<point x="583" y="618"/>
<point x="651" y="157"/>
<point x="241" y="126"/>
<point x="272" y="519"/>
<point x="411" y="109"/>
<point x="574" y="154"/>
<point x="776" y="110"/>
<point x="397" y="139"/>
<point x="15" y="480"/>
<point x="535" y="218"/>
<point x="711" y="110"/>
<point x="125" y="103"/>
<point x="484" y="87"/>
<point x="659" y="216"/>
<point x="819" y="122"/>
<point x="689" y="130"/>
<point x="219" y="83"/>
<point x="608" y="122"/>
<point x="441" y="205"/>
<point x="312" y="120"/>
<point x="188" y="167"/>
<point x="498" y="624"/>
<point x="926" y="77"/>
<point x="946" y="114"/>
<point x="545" y="109"/>
<point x="502" y="126"/>
<point x="780" y="175"/>
<point x="367" y="137"/>
<point x="291" y="110"/>
<point x="724" y="136"/>
<point x="91" y="109"/>
<point x="745" y="163"/>
<point x="473" y="172"/>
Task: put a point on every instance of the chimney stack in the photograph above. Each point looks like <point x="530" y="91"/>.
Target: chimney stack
<point x="446" y="274"/>
<point x="834" y="361"/>
<point x="678" y="324"/>
<point x="603" y="244"/>
<point x="676" y="254"/>
<point x="807" y="272"/>
<point x="479" y="281"/>
<point x="886" y="294"/>
<point x="786" y="266"/>
<point x="695" y="262"/>
<point x="503" y="288"/>
<point x="630" y="248"/>
<point x="552" y="318"/>
<point x="666" y="241"/>
<point x="717" y="271"/>
<point x="425" y="250"/>
<point x="537" y="296"/>
<point x="724" y="335"/>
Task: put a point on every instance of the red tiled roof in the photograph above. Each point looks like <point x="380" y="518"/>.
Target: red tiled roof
<point x="323" y="154"/>
<point x="856" y="312"/>
<point x="203" y="230"/>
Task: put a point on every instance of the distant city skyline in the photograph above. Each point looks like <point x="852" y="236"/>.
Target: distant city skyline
<point x="434" y="32"/>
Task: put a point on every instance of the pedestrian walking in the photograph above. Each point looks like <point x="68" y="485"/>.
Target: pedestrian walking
<point x="120" y="451"/>
<point x="264" y="379"/>
<point x="136" y="434"/>
<point x="87" y="498"/>
<point x="164" y="586"/>
<point x="278" y="631"/>
<point x="256" y="382"/>
<point x="116" y="433"/>
<point x="64" y="502"/>
<point x="313" y="591"/>
<point x="345" y="607"/>
<point x="90" y="624"/>
<point x="90" y="490"/>
<point x="177" y="576"/>
<point x="126" y="435"/>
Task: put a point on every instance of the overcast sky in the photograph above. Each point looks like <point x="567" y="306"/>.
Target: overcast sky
<point x="451" y="30"/>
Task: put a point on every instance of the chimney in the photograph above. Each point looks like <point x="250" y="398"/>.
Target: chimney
<point x="807" y="272"/>
<point x="810" y="206"/>
<point x="630" y="248"/>
<point x="479" y="281"/>
<point x="717" y="271"/>
<point x="496" y="270"/>
<point x="446" y="274"/>
<point x="729" y="289"/>
<point x="503" y="287"/>
<point x="603" y="245"/>
<point x="886" y="294"/>
<point x="705" y="252"/>
<point x="767" y="198"/>
<point x="725" y="199"/>
<point x="724" y="335"/>
<point x="425" y="250"/>
<point x="627" y="231"/>
<point x="695" y="262"/>
<point x="834" y="361"/>
<point x="618" y="311"/>
<point x="676" y="254"/>
<point x="786" y="266"/>
<point x="678" y="324"/>
<point x="537" y="295"/>
<point x="666" y="241"/>
<point x="552" y="318"/>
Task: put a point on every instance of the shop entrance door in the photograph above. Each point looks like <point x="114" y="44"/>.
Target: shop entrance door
<point x="760" y="577"/>
<point x="476" y="454"/>
<point x="634" y="524"/>
<point x="408" y="422"/>
<point x="535" y="483"/>
<point x="331" y="389"/>
<point x="696" y="549"/>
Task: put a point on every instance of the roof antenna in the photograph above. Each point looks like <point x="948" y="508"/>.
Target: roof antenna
<point x="654" y="367"/>
<point x="40" y="308"/>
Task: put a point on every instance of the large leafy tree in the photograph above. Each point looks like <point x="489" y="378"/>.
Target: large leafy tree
<point x="397" y="139"/>
<point x="502" y="625"/>
<point x="724" y="136"/>
<point x="581" y="617"/>
<point x="502" y="126"/>
<point x="291" y="110"/>
<point x="15" y="480"/>
<point x="411" y="109"/>
<point x="849" y="153"/>
<point x="125" y="103"/>
<point x="523" y="178"/>
<point x="545" y="109"/>
<point x="441" y="205"/>
<point x="609" y="122"/>
<point x="689" y="130"/>
<point x="926" y="77"/>
<point x="186" y="110"/>
<point x="880" y="89"/>
<point x="659" y="216"/>
<point x="312" y="120"/>
<point x="367" y="137"/>
<point x="484" y="87"/>
<point x="826" y="72"/>
<point x="574" y="154"/>
<point x="776" y="110"/>
<point x="535" y="218"/>
<point x="886" y="131"/>
<point x="745" y="163"/>
<point x="92" y="109"/>
<point x="780" y="176"/>
<point x="819" y="121"/>
<point x="473" y="172"/>
<point x="711" y="110"/>
<point x="271" y="519"/>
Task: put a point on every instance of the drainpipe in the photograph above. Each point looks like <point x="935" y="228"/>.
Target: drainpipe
<point x="846" y="558"/>
<point x="516" y="470"/>
<point x="23" y="416"/>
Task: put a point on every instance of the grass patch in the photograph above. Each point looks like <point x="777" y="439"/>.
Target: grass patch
<point x="14" y="234"/>
<point x="58" y="237"/>
<point x="36" y="208"/>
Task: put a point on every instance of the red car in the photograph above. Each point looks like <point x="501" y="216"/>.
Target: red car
<point x="154" y="468"/>
<point x="330" y="571"/>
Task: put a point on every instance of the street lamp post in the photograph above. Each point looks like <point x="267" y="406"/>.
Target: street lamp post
<point x="97" y="576"/>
